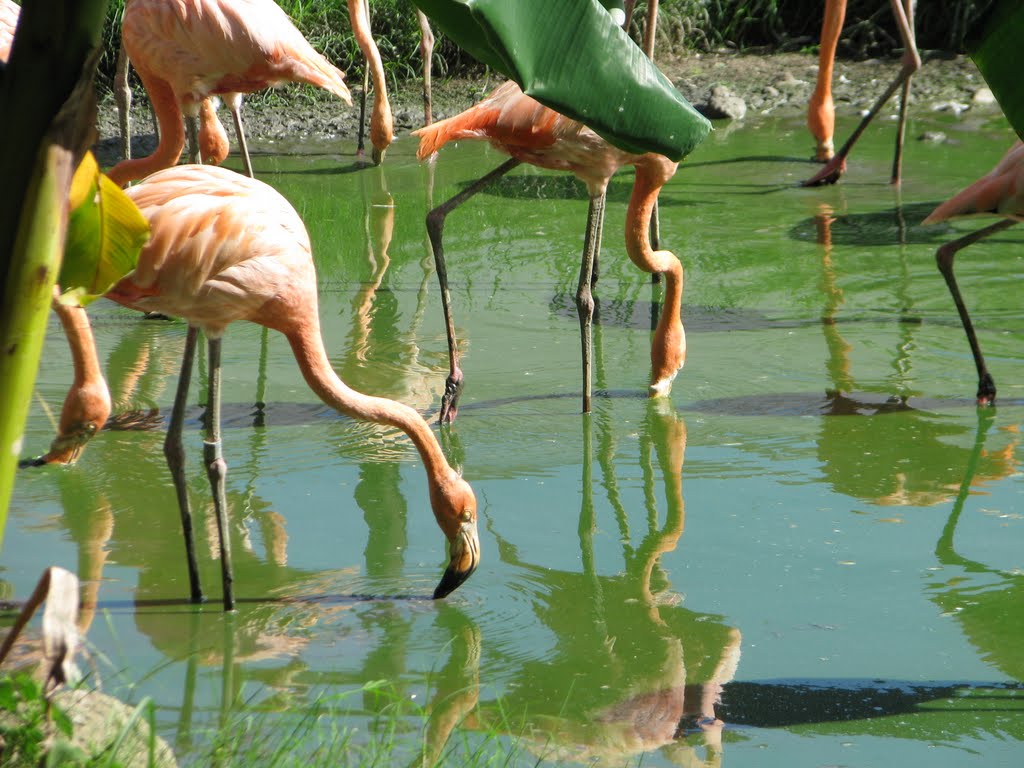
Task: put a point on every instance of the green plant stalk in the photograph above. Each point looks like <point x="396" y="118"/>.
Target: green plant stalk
<point x="47" y="84"/>
<point x="26" y="303"/>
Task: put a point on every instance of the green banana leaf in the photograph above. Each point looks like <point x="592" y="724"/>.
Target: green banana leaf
<point x="571" y="56"/>
<point x="995" y="46"/>
<point x="105" y="234"/>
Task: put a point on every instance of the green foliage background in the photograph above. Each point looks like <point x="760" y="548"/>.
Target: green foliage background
<point x="765" y="25"/>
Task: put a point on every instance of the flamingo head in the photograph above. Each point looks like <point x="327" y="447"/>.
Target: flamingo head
<point x="455" y="509"/>
<point x="85" y="411"/>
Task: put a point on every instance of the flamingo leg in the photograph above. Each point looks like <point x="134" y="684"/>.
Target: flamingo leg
<point x="911" y="62"/>
<point x="123" y="97"/>
<point x="217" y="471"/>
<point x="944" y="258"/>
<point x="192" y="133"/>
<point x="427" y="54"/>
<point x="175" y="454"/>
<point x="235" y="104"/>
<point x="584" y="294"/>
<point x="361" y="135"/>
<point x="435" y="231"/>
<point x="901" y="126"/>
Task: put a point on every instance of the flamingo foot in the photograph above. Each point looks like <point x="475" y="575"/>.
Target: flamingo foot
<point x="986" y="391"/>
<point x="450" y="398"/>
<point x="830" y="174"/>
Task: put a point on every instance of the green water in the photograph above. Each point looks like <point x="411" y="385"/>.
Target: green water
<point x="817" y="528"/>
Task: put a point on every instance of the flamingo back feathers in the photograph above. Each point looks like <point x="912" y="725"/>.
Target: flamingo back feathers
<point x="508" y="118"/>
<point x="222" y="246"/>
<point x="204" y="47"/>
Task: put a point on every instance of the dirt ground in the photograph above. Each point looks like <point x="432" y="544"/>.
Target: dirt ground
<point x="769" y="85"/>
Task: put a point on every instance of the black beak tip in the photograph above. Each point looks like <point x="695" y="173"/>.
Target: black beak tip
<point x="450" y="581"/>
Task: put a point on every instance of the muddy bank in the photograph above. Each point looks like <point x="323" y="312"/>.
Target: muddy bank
<point x="768" y="85"/>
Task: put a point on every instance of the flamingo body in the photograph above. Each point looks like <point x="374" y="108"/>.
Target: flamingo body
<point x="1000" y="192"/>
<point x="521" y="127"/>
<point x="188" y="50"/>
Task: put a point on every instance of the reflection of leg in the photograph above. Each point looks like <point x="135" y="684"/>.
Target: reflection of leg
<point x="175" y="454"/>
<point x="584" y="295"/>
<point x="183" y="740"/>
<point x="944" y="258"/>
<point x="435" y="230"/>
<point x="217" y="470"/>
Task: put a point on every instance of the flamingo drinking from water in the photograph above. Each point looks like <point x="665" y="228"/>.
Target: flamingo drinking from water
<point x="821" y="116"/>
<point x="225" y="247"/>
<point x="521" y="127"/>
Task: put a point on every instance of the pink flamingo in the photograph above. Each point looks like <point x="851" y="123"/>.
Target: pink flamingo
<point x="186" y="51"/>
<point x="225" y="247"/>
<point x="1000" y="192"/>
<point x="520" y="127"/>
<point x="9" y="12"/>
<point x="821" y="116"/>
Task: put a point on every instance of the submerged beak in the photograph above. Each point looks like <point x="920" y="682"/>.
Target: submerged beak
<point x="465" y="556"/>
<point x="65" y="449"/>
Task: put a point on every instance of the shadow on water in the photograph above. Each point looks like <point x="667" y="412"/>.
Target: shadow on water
<point x="784" y="704"/>
<point x="900" y="224"/>
<point x="563" y="186"/>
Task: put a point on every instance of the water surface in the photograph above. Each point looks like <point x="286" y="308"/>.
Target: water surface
<point x="816" y="540"/>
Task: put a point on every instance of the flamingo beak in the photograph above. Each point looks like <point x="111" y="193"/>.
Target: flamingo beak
<point x="465" y="556"/>
<point x="65" y="449"/>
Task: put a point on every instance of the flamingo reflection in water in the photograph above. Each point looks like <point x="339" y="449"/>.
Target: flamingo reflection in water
<point x="857" y="458"/>
<point x="630" y="671"/>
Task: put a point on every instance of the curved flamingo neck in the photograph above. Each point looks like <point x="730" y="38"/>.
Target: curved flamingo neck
<point x="668" y="349"/>
<point x="172" y="135"/>
<point x="308" y="348"/>
<point x="87" y="404"/>
<point x="381" y="122"/>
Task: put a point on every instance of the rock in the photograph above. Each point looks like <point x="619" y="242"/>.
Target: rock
<point x="933" y="137"/>
<point x="983" y="97"/>
<point x="955" y="107"/>
<point x="723" y="103"/>
<point x="789" y="83"/>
